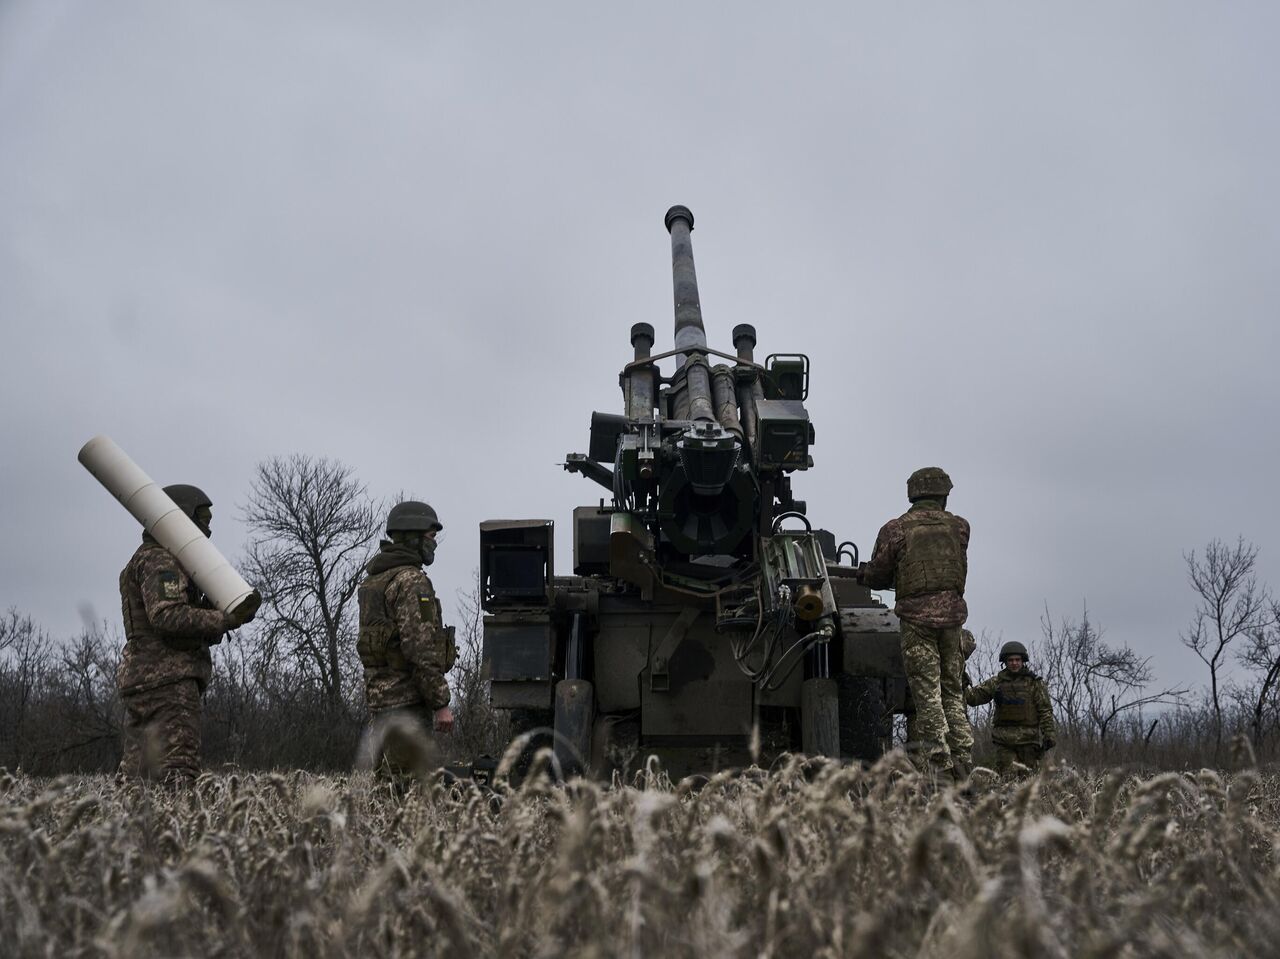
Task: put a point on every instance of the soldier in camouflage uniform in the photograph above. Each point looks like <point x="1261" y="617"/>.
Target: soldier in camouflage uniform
<point x="169" y="626"/>
<point x="923" y="556"/>
<point x="1022" y="729"/>
<point x="404" y="646"/>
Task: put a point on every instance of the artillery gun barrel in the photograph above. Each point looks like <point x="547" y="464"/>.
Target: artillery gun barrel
<point x="690" y="332"/>
<point x="695" y="401"/>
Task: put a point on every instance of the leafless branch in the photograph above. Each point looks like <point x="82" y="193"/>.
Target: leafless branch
<point x="1230" y="604"/>
<point x="313" y="526"/>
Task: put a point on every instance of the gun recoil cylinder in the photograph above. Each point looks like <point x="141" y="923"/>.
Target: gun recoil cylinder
<point x="639" y="386"/>
<point x="642" y="340"/>
<point x="722" y="386"/>
<point x="697" y="378"/>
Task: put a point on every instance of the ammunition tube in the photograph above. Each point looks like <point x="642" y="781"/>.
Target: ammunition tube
<point x="161" y="517"/>
<point x="690" y="333"/>
<point x="726" y="401"/>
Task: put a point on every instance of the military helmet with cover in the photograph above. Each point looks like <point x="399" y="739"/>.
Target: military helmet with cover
<point x="412" y="516"/>
<point x="1014" y="648"/>
<point x="188" y="498"/>
<point x="930" y="481"/>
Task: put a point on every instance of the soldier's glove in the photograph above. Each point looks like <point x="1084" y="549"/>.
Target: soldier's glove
<point x="245" y="612"/>
<point x="1046" y="745"/>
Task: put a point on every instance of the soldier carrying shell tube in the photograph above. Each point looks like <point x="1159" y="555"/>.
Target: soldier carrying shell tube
<point x="169" y="626"/>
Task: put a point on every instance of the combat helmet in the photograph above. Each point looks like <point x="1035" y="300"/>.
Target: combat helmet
<point x="928" y="482"/>
<point x="188" y="498"/>
<point x="411" y="516"/>
<point x="1014" y="648"/>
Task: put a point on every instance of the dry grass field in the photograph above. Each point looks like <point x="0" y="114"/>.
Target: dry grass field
<point x="807" y="860"/>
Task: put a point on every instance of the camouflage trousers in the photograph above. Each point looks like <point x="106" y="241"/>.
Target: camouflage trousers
<point x="402" y="744"/>
<point x="934" y="664"/>
<point x="1008" y="753"/>
<point x="162" y="733"/>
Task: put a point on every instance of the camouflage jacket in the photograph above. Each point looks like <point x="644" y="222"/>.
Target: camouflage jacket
<point x="1023" y="713"/>
<point x="405" y="648"/>
<point x="933" y="609"/>
<point x="168" y="624"/>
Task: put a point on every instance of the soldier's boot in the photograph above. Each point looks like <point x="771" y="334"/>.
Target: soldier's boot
<point x="927" y="757"/>
<point x="937" y="779"/>
<point x="937" y="767"/>
<point x="962" y="771"/>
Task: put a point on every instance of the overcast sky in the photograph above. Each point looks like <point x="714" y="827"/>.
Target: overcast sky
<point x="1037" y="246"/>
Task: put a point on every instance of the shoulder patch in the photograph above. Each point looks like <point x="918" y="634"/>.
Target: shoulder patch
<point x="170" y="585"/>
<point x="427" y="605"/>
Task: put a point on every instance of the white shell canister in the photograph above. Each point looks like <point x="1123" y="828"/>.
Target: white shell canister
<point x="167" y="524"/>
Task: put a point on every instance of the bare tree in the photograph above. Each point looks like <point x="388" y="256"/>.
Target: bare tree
<point x="87" y="690"/>
<point x="984" y="661"/>
<point x="1230" y="604"/>
<point x="313" y="525"/>
<point x="26" y="662"/>
<point x="19" y="631"/>
<point x="1261" y="656"/>
<point x="1094" y="684"/>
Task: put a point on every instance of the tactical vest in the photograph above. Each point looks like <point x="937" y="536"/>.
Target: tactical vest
<point x="379" y="641"/>
<point x="932" y="558"/>
<point x="132" y="607"/>
<point x="1014" y="706"/>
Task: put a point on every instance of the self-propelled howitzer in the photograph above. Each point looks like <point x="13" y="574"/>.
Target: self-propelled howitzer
<point x="707" y="620"/>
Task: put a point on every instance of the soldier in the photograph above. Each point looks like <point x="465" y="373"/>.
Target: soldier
<point x="1023" y="729"/>
<point x="405" y="648"/>
<point x="169" y="626"/>
<point x="923" y="556"/>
